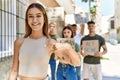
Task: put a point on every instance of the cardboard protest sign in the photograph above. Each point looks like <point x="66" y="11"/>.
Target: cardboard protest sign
<point x="90" y="46"/>
<point x="66" y="40"/>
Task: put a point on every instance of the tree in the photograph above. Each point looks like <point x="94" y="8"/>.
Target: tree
<point x="93" y="12"/>
<point x="89" y="1"/>
<point x="96" y="13"/>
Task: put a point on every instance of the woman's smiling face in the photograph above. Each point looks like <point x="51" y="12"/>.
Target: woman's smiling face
<point x="35" y="19"/>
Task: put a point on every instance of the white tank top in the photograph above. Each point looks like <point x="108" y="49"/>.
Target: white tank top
<point x="33" y="58"/>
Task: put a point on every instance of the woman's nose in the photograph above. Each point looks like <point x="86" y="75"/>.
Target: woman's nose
<point x="34" y="19"/>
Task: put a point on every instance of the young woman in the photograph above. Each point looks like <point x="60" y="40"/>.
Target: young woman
<point x="67" y="71"/>
<point x="32" y="52"/>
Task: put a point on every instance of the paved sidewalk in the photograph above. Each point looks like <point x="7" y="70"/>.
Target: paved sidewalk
<point x="5" y="66"/>
<point x="111" y="78"/>
<point x="111" y="67"/>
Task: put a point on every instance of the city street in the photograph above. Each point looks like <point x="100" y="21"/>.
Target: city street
<point x="15" y="22"/>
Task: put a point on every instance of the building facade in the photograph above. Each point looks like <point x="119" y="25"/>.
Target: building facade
<point x="117" y="18"/>
<point x="11" y="23"/>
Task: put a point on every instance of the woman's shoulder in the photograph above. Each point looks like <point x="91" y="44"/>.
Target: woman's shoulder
<point x="76" y="44"/>
<point x="18" y="42"/>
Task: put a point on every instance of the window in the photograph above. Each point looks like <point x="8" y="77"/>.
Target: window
<point x="112" y="24"/>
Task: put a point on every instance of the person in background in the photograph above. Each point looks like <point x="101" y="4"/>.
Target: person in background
<point x="53" y="34"/>
<point x="77" y="38"/>
<point x="32" y="52"/>
<point x="82" y="29"/>
<point x="66" y="71"/>
<point x="77" y="35"/>
<point x="91" y="63"/>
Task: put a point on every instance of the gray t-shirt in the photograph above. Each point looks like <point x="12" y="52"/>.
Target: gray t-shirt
<point x="92" y="59"/>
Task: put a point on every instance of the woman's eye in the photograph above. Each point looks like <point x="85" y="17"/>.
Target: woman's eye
<point x="38" y="16"/>
<point x="64" y="33"/>
<point x="30" y="16"/>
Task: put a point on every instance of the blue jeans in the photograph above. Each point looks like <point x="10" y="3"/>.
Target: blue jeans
<point x="53" y="68"/>
<point x="78" y="71"/>
<point x="67" y="72"/>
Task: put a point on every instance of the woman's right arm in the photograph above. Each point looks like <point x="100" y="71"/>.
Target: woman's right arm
<point x="66" y="54"/>
<point x="15" y="65"/>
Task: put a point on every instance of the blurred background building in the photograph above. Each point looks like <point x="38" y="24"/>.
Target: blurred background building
<point x="117" y="18"/>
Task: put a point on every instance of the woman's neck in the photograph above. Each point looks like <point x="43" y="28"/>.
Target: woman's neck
<point x="36" y="35"/>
